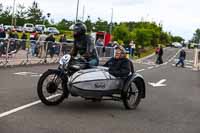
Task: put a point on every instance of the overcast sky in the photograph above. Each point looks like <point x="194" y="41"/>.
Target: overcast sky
<point x="180" y="17"/>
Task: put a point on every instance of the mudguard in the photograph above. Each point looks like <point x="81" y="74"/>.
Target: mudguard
<point x="139" y="80"/>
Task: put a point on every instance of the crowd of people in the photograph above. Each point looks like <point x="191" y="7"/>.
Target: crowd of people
<point x="39" y="45"/>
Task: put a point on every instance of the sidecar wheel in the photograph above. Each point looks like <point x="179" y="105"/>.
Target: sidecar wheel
<point x="51" y="89"/>
<point x="131" y="98"/>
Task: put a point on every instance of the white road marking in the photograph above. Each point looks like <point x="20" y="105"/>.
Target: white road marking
<point x="24" y="107"/>
<point x="189" y="67"/>
<point x="28" y="74"/>
<point x="158" y="84"/>
<point x="140" y="70"/>
<point x="25" y="73"/>
<point x="189" y="63"/>
<point x="165" y="63"/>
<point x="185" y="66"/>
<point x="150" y="67"/>
<point x="37" y="75"/>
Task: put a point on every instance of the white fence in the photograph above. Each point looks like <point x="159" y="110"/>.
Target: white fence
<point x="24" y="52"/>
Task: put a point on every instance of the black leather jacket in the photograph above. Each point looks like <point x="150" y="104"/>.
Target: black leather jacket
<point x="85" y="47"/>
<point x="118" y="67"/>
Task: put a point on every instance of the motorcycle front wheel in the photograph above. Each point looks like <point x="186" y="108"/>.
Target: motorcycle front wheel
<point x="51" y="89"/>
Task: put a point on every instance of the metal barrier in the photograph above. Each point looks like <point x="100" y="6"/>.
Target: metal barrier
<point x="106" y="52"/>
<point x="196" y="65"/>
<point x="25" y="52"/>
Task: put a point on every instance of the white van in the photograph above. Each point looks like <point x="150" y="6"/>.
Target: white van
<point x="28" y="27"/>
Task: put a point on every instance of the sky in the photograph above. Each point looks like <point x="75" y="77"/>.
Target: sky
<point x="180" y="17"/>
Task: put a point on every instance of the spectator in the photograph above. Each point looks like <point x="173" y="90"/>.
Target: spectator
<point x="63" y="41"/>
<point x="132" y="48"/>
<point x="23" y="40"/>
<point x="50" y="41"/>
<point x="2" y="33"/>
<point x="159" y="52"/>
<point x="41" y="47"/>
<point x="99" y="42"/>
<point x="15" y="35"/>
<point x="10" y="34"/>
<point x="33" y="38"/>
<point x="182" y="57"/>
<point x="63" y="38"/>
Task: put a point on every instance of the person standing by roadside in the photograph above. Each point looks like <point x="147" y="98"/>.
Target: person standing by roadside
<point x="23" y="40"/>
<point x="182" y="57"/>
<point x="63" y="44"/>
<point x="132" y="48"/>
<point x="41" y="43"/>
<point x="99" y="42"/>
<point x="33" y="38"/>
<point x="50" y="40"/>
<point x="159" y="52"/>
<point x="2" y="33"/>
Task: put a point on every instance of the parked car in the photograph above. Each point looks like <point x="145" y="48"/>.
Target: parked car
<point x="1" y="26"/>
<point x="19" y="28"/>
<point x="177" y="45"/>
<point x="9" y="27"/>
<point x="40" y="28"/>
<point x="28" y="27"/>
<point x="52" y="30"/>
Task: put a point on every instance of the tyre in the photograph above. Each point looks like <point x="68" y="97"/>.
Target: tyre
<point x="131" y="97"/>
<point x="51" y="89"/>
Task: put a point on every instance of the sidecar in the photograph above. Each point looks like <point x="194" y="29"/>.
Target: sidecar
<point x="94" y="84"/>
<point x="97" y="84"/>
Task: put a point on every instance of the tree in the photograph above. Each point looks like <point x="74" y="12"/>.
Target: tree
<point x="121" y="33"/>
<point x="164" y="38"/>
<point x="89" y="24"/>
<point x="102" y="25"/>
<point x="34" y="14"/>
<point x="155" y="38"/>
<point x="196" y="36"/>
<point x="177" y="39"/>
<point x="21" y="14"/>
<point x="6" y="15"/>
<point x="143" y="37"/>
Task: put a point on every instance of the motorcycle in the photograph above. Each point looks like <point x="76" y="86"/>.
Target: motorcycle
<point x="75" y="77"/>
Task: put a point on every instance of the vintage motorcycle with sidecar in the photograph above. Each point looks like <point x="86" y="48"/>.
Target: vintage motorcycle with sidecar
<point x="75" y="77"/>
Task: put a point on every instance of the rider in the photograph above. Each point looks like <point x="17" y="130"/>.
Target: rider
<point x="84" y="44"/>
<point x="119" y="66"/>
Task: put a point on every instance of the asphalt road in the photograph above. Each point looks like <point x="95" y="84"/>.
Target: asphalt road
<point x="174" y="108"/>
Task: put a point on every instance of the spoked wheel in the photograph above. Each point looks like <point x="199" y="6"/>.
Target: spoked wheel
<point x="51" y="89"/>
<point x="131" y="98"/>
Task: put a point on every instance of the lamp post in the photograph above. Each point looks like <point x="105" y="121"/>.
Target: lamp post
<point x="48" y="15"/>
<point x="111" y="21"/>
<point x="13" y="13"/>
<point x="77" y="11"/>
<point x="83" y="13"/>
<point x="1" y="7"/>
